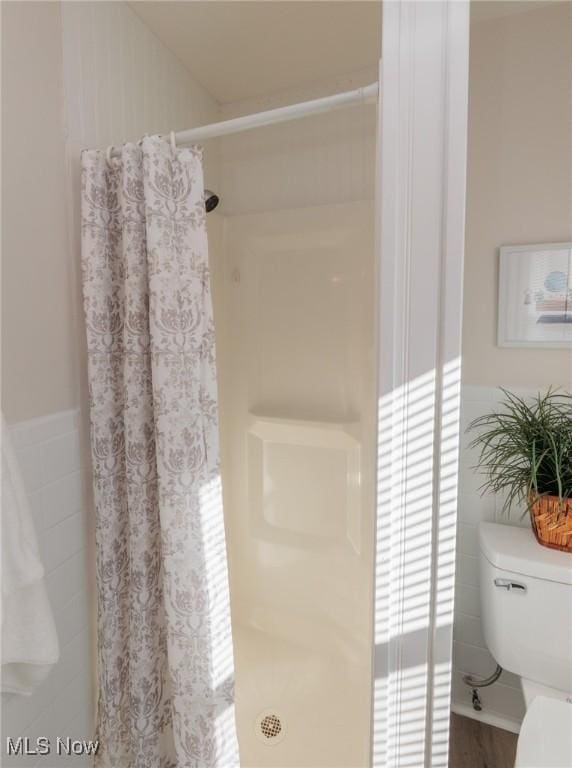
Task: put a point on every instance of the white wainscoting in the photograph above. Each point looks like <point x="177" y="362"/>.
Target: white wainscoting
<point x="50" y="457"/>
<point x="503" y="703"/>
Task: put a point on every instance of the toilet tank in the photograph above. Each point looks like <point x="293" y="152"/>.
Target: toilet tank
<point x="526" y="605"/>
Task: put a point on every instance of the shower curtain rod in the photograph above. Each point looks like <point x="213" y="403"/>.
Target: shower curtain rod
<point x="271" y="116"/>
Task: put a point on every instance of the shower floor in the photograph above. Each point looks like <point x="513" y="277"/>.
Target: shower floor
<point x="319" y="698"/>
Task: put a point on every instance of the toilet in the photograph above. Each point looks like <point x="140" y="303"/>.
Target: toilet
<point x="526" y="605"/>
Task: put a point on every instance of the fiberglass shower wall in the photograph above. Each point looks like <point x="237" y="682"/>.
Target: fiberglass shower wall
<point x="293" y="252"/>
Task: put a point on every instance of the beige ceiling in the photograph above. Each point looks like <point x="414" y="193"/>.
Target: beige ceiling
<point x="484" y="10"/>
<point x="241" y="49"/>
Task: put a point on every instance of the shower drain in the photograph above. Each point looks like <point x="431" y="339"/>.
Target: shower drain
<point x="270" y="727"/>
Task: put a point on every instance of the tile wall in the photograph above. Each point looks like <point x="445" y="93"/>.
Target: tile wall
<point x="50" y="457"/>
<point x="503" y="703"/>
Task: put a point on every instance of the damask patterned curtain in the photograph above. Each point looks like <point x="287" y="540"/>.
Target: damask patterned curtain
<point x="164" y="639"/>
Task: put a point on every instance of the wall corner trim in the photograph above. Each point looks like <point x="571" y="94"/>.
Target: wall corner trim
<point x="422" y="197"/>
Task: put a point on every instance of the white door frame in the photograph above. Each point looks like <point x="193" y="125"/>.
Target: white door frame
<point x="421" y="196"/>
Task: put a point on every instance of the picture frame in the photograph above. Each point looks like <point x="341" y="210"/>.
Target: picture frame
<point x="535" y="296"/>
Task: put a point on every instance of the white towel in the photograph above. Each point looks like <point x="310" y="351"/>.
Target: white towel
<point x="29" y="639"/>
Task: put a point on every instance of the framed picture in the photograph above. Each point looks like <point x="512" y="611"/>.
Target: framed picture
<point x="535" y="296"/>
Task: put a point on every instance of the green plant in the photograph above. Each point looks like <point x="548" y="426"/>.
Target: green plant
<point x="526" y="447"/>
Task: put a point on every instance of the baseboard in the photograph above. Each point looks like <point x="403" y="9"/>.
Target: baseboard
<point x="490" y="718"/>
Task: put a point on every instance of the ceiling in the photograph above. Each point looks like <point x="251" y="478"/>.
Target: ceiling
<point x="243" y="49"/>
<point x="483" y="10"/>
<point x="239" y="49"/>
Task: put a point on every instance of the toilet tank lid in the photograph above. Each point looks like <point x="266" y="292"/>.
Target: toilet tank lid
<point x="515" y="549"/>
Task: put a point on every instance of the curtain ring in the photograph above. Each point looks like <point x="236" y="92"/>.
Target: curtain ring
<point x="173" y="142"/>
<point x="108" y="152"/>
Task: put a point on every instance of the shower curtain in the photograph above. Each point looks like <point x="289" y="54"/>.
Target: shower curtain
<point x="165" y="662"/>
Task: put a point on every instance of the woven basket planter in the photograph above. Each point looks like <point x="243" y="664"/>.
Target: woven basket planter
<point x="552" y="521"/>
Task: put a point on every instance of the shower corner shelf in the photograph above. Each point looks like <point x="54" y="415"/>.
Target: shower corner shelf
<point x="304" y="481"/>
<point x="332" y="432"/>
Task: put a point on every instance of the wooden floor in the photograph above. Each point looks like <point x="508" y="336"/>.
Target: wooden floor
<point x="476" y="745"/>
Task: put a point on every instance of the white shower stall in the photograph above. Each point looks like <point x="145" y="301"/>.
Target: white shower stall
<point x="292" y="254"/>
<point x="336" y="289"/>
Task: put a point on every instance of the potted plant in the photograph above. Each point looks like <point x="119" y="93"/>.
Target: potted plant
<point x="526" y="454"/>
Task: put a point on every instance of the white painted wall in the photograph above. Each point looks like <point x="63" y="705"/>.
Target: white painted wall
<point x="39" y="299"/>
<point x="519" y="191"/>
<point x="519" y="186"/>
<point x="121" y="82"/>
